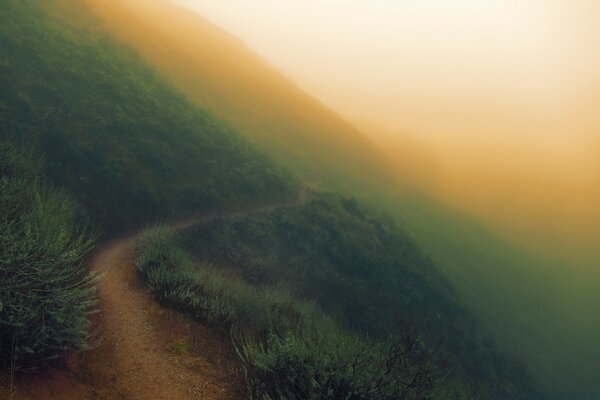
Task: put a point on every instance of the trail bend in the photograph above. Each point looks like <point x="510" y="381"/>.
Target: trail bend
<point x="135" y="357"/>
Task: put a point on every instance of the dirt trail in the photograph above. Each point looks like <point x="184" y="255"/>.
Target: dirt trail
<point x="146" y="352"/>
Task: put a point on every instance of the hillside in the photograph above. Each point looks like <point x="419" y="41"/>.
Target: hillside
<point x="218" y="72"/>
<point x="94" y="143"/>
<point x="110" y="130"/>
<point x="519" y="295"/>
<point x="319" y="297"/>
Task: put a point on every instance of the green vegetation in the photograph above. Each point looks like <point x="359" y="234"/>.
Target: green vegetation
<point x="219" y="73"/>
<point x="46" y="295"/>
<point x="534" y="307"/>
<point x="364" y="275"/>
<point x="291" y="350"/>
<point x="115" y="134"/>
<point x="115" y="138"/>
<point x="179" y="347"/>
<point x="322" y="300"/>
<point x="335" y="251"/>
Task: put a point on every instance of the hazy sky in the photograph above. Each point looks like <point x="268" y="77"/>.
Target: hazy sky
<point x="443" y="69"/>
<point x="508" y="89"/>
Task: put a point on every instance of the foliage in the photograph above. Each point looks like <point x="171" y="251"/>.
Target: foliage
<point x="179" y="347"/>
<point x="516" y="293"/>
<point x="330" y="250"/>
<point x="130" y="149"/>
<point x="366" y="272"/>
<point x="112" y="131"/>
<point x="46" y="295"/>
<point x="117" y="137"/>
<point x="291" y="350"/>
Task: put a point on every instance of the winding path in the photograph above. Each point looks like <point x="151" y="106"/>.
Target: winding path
<point x="146" y="351"/>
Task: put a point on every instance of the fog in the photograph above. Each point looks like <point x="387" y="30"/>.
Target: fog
<point x="490" y="106"/>
<point x="499" y="99"/>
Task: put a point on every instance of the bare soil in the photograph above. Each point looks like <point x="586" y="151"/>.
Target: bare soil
<point x="142" y="350"/>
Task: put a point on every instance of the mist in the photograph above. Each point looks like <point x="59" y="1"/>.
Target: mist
<point x="491" y="107"/>
<point x="386" y="199"/>
<point x="502" y="97"/>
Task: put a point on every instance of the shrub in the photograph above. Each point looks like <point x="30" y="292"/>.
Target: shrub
<point x="289" y="348"/>
<point x="46" y="295"/>
<point x="363" y="270"/>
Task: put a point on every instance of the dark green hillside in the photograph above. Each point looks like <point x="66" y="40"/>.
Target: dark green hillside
<point x="219" y="73"/>
<point x="291" y="349"/>
<point x="335" y="251"/>
<point x="112" y="132"/>
<point x="363" y="270"/>
<point x="109" y="145"/>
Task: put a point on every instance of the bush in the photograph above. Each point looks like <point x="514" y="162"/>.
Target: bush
<point x="289" y="348"/>
<point x="46" y="295"/>
<point x="362" y="269"/>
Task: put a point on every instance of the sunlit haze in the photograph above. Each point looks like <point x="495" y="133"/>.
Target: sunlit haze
<point x="503" y="94"/>
<point x="398" y="198"/>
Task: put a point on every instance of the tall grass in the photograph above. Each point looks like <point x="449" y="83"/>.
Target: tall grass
<point x="289" y="348"/>
<point x="363" y="269"/>
<point x="46" y="295"/>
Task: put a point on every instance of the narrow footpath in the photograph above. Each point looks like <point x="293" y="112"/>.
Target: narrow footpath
<point x="142" y="351"/>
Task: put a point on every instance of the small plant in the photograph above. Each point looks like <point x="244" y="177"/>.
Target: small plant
<point x="179" y="347"/>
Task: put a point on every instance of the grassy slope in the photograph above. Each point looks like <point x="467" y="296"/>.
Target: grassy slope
<point x="98" y="123"/>
<point x="290" y="348"/>
<point x="219" y="73"/>
<point x="113" y="132"/>
<point x="516" y="293"/>
<point x="359" y="267"/>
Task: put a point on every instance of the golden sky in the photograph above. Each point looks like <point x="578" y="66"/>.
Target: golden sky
<point x="504" y="94"/>
<point x="382" y="59"/>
